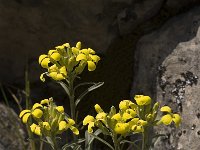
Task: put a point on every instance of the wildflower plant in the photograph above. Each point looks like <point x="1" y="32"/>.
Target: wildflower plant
<point x="47" y="121"/>
<point x="132" y="118"/>
<point x="64" y="64"/>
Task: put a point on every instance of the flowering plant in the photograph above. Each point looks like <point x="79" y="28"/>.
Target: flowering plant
<point x="131" y="119"/>
<point x="47" y="120"/>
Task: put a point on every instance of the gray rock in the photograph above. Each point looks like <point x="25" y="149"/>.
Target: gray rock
<point x="167" y="69"/>
<point x="12" y="135"/>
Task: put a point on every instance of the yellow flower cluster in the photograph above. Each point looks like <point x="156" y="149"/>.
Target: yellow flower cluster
<point x="48" y="119"/>
<point x="169" y="117"/>
<point x="122" y="122"/>
<point x="132" y="117"/>
<point x="65" y="60"/>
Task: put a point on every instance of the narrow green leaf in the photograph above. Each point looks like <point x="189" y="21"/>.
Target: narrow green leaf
<point x="65" y="87"/>
<point x="93" y="87"/>
<point x="131" y="142"/>
<point x="103" y="141"/>
<point x="73" y="144"/>
<point x="89" y="138"/>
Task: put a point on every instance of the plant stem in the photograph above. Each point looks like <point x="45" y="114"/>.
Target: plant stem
<point x="115" y="141"/>
<point x="143" y="141"/>
<point x="71" y="99"/>
<point x="55" y="146"/>
<point x="72" y="102"/>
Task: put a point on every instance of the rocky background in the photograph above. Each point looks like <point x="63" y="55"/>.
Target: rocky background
<point x="147" y="46"/>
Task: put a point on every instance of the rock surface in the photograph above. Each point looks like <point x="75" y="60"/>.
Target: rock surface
<point x="168" y="68"/>
<point x="11" y="132"/>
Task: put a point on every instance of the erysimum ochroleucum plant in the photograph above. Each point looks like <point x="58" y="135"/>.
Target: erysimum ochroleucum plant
<point x="132" y="118"/>
<point x="64" y="64"/>
<point x="47" y="120"/>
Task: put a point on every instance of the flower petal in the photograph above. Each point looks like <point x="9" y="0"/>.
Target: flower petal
<point x="166" y="109"/>
<point x="46" y="126"/>
<point x="37" y="131"/>
<point x="74" y="130"/>
<point x="117" y="117"/>
<point x="81" y="57"/>
<point x="121" y="128"/>
<point x="25" y="117"/>
<point x="60" y="109"/>
<point x="45" y="62"/>
<point x="90" y="126"/>
<point x="88" y="119"/>
<point x="78" y="45"/>
<point x="44" y="101"/>
<point x="42" y="57"/>
<point x="166" y="119"/>
<point x="63" y="71"/>
<point x="91" y="65"/>
<point x="33" y="126"/>
<point x="42" y="77"/>
<point x="177" y="119"/>
<point x="98" y="108"/>
<point x="36" y="105"/>
<point x="24" y="112"/>
<point x="37" y="113"/>
<point x="142" y="100"/>
<point x="63" y="125"/>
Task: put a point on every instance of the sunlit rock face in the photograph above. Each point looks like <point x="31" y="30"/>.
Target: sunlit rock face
<point x="168" y="69"/>
<point x="12" y="135"/>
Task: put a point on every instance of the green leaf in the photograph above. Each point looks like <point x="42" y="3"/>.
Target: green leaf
<point x="93" y="87"/>
<point x="101" y="140"/>
<point x="73" y="144"/>
<point x="89" y="138"/>
<point x="131" y="142"/>
<point x="85" y="83"/>
<point x="49" y="141"/>
<point x="65" y="87"/>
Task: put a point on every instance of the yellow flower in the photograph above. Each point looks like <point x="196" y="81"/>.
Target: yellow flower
<point x="142" y="100"/>
<point x="63" y="125"/>
<point x="117" y="117"/>
<point x="137" y="128"/>
<point x="81" y="57"/>
<point x="44" y="61"/>
<point x="44" y="101"/>
<point x="98" y="108"/>
<point x="123" y="105"/>
<point x="57" y="73"/>
<point x="74" y="130"/>
<point x="54" y="55"/>
<point x="121" y="128"/>
<point x="126" y="116"/>
<point x="46" y="125"/>
<point x="166" y="119"/>
<point x="101" y="116"/>
<point x="35" y="112"/>
<point x="78" y="45"/>
<point x="166" y="109"/>
<point x="132" y="112"/>
<point x="60" y="109"/>
<point x="90" y="126"/>
<point x="42" y="77"/>
<point x="91" y="65"/>
<point x="35" y="129"/>
<point x="177" y="119"/>
<point x="71" y="122"/>
<point x="88" y="119"/>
